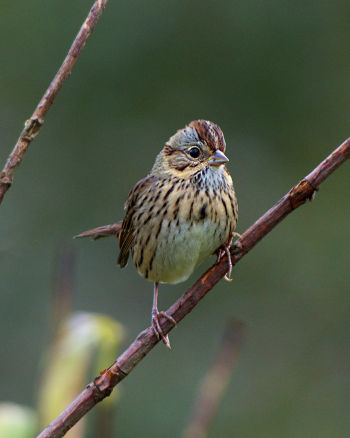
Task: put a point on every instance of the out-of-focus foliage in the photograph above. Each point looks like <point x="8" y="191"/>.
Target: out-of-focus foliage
<point x="84" y="344"/>
<point x="17" y="421"/>
<point x="275" y="76"/>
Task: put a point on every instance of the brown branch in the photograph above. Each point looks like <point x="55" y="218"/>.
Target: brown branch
<point x="103" y="385"/>
<point x="33" y="125"/>
<point x="215" y="381"/>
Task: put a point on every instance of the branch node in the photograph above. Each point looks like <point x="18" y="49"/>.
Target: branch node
<point x="96" y="392"/>
<point x="300" y="193"/>
<point x="31" y="128"/>
<point x="107" y="380"/>
<point x="316" y="189"/>
<point x="4" y="179"/>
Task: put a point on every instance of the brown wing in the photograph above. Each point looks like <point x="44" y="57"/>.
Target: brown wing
<point x="126" y="236"/>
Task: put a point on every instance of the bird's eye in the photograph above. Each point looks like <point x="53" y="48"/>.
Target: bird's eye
<point x="194" y="152"/>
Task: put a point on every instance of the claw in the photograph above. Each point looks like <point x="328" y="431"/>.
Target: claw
<point x="157" y="329"/>
<point x="225" y="249"/>
<point x="229" y="272"/>
<point x="155" y="319"/>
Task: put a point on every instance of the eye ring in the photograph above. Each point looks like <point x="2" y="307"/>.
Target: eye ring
<point x="194" y="152"/>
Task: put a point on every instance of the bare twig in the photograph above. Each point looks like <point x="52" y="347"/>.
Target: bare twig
<point x="215" y="381"/>
<point x="33" y="125"/>
<point x="103" y="385"/>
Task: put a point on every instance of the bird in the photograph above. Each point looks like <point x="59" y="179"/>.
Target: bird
<point x="182" y="212"/>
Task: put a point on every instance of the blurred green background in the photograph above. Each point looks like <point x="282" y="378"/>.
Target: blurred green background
<point x="275" y="76"/>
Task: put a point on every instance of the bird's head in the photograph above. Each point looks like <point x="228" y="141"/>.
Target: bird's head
<point x="200" y="144"/>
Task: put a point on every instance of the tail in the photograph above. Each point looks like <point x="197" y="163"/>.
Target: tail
<point x="104" y="231"/>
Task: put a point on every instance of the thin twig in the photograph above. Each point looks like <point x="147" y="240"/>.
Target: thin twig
<point x="33" y="125"/>
<point x="215" y="381"/>
<point x="103" y="385"/>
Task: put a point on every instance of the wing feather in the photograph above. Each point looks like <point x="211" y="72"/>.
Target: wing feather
<point x="127" y="234"/>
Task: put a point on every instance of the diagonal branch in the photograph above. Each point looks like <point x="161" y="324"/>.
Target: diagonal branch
<point x="103" y="385"/>
<point x="33" y="125"/>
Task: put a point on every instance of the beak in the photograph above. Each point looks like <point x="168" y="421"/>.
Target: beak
<point x="218" y="158"/>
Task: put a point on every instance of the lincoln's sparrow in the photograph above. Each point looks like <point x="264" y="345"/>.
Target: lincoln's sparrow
<point x="182" y="212"/>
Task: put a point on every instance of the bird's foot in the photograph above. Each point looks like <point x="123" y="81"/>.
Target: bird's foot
<point x="157" y="329"/>
<point x="224" y="249"/>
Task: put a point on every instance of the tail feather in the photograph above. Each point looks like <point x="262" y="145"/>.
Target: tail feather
<point x="104" y="231"/>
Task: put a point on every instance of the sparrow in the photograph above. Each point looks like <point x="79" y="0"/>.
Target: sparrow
<point x="182" y="212"/>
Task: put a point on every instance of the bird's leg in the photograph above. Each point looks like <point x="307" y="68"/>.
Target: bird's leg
<point x="225" y="249"/>
<point x="155" y="318"/>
